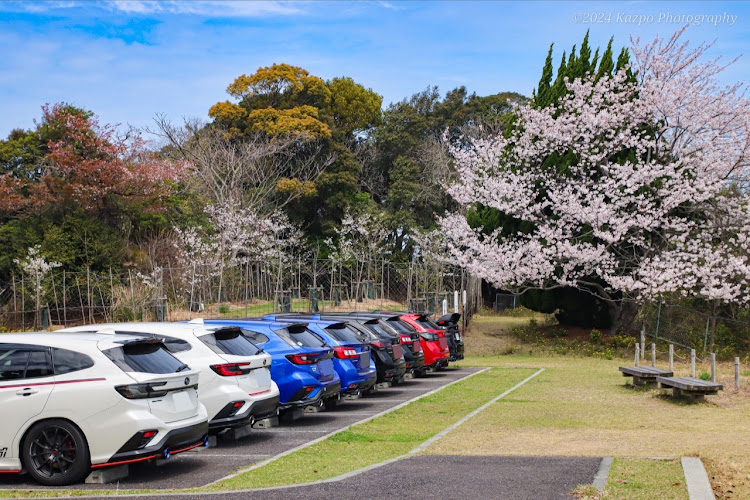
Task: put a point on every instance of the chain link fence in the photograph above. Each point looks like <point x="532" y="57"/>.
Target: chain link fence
<point x="248" y="289"/>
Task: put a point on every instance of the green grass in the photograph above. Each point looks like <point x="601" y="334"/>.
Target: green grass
<point x="636" y="479"/>
<point x="385" y="437"/>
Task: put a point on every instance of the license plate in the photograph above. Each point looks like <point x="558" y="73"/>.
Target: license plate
<point x="181" y="401"/>
<point x="443" y="342"/>
<point x="364" y="361"/>
<point x="397" y="352"/>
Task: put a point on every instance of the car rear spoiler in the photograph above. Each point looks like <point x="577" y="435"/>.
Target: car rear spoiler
<point x="449" y="320"/>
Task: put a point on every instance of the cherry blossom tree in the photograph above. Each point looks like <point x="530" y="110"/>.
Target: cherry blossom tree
<point x="626" y="188"/>
<point x="36" y="267"/>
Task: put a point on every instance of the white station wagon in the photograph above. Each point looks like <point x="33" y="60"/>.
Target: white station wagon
<point x="74" y="402"/>
<point x="236" y="384"/>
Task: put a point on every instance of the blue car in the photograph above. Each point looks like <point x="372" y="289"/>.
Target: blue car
<point x="301" y="361"/>
<point x="351" y="357"/>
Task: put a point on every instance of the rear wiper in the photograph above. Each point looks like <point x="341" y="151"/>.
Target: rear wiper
<point x="260" y="351"/>
<point x="182" y="367"/>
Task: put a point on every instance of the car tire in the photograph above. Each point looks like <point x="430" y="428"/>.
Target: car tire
<point x="55" y="453"/>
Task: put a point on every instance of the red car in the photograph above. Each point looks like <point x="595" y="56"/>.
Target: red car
<point x="433" y="341"/>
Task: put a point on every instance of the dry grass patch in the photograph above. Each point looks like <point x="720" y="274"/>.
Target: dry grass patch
<point x="581" y="407"/>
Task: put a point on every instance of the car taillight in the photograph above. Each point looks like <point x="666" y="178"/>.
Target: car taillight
<point x="378" y="344"/>
<point x="302" y="359"/>
<point x="431" y="337"/>
<point x="343" y="352"/>
<point x="231" y="369"/>
<point x="141" y="391"/>
<point x="405" y="339"/>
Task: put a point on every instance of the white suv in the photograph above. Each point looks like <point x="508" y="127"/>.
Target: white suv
<point x="236" y="384"/>
<point x="73" y="402"/>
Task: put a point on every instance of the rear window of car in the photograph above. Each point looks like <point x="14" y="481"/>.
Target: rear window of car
<point x="400" y="327"/>
<point x="362" y="332"/>
<point x="144" y="357"/>
<point x="378" y="330"/>
<point x="297" y="336"/>
<point x="342" y="333"/>
<point x="427" y="323"/>
<point x="230" y="341"/>
<point x="18" y="364"/>
<point x="255" y="337"/>
<point x="66" y="361"/>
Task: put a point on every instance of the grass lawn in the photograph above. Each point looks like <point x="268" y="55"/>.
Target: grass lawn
<point x="581" y="407"/>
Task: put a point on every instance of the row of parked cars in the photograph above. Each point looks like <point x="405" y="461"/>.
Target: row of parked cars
<point x="103" y="395"/>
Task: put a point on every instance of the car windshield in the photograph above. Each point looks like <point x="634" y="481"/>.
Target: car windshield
<point x="426" y="322"/>
<point x="378" y="330"/>
<point x="363" y="333"/>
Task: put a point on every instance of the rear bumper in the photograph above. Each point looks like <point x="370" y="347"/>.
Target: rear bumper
<point x="176" y="441"/>
<point x="354" y="388"/>
<point x="260" y="409"/>
<point x="326" y="391"/>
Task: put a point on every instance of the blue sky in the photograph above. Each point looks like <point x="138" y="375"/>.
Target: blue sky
<point x="129" y="60"/>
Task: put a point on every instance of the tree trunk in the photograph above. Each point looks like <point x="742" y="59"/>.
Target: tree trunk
<point x="622" y="314"/>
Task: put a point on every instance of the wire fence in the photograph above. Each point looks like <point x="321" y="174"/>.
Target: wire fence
<point x="248" y="289"/>
<point x="701" y="330"/>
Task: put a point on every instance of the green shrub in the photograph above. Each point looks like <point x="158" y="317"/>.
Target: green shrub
<point x="595" y="336"/>
<point x="705" y="376"/>
<point x="623" y="341"/>
<point x="223" y="309"/>
<point x="557" y="331"/>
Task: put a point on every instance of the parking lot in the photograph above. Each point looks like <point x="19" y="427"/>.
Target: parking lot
<point x="198" y="468"/>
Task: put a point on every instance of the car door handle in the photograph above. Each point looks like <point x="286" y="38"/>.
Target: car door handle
<point x="27" y="391"/>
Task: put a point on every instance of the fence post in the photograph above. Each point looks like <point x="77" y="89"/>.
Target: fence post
<point x="658" y="317"/>
<point x="455" y="301"/>
<point x="671" y="357"/>
<point x="705" y="337"/>
<point x="65" y="302"/>
<point x="643" y="341"/>
<point x="692" y="363"/>
<point x="88" y="293"/>
<point x="713" y="367"/>
<point x="653" y="355"/>
<point x="445" y="307"/>
<point x="637" y="355"/>
<point x="737" y="372"/>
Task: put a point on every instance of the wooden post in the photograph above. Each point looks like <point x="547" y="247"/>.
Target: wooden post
<point x="643" y="341"/>
<point x="455" y="301"/>
<point x="713" y="367"/>
<point x="637" y="355"/>
<point x="737" y="372"/>
<point x="23" y="306"/>
<point x="653" y="355"/>
<point x="692" y="363"/>
<point x="88" y="293"/>
<point x="671" y="357"/>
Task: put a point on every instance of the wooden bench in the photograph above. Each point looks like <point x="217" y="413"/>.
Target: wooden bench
<point x="644" y="375"/>
<point x="694" y="388"/>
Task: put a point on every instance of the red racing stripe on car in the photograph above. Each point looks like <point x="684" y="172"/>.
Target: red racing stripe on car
<point x="52" y="383"/>
<point x="261" y="392"/>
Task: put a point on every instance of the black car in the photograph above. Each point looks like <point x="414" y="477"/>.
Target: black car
<point x="449" y="323"/>
<point x="409" y="339"/>
<point x="387" y="350"/>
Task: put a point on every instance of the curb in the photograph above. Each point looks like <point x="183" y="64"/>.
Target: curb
<point x="696" y="479"/>
<point x="600" y="479"/>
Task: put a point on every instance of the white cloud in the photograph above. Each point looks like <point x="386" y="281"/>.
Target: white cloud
<point x="226" y="8"/>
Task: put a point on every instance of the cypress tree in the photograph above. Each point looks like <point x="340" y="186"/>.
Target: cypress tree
<point x="542" y="96"/>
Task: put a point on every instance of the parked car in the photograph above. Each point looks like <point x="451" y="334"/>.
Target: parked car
<point x="387" y="351"/>
<point x="351" y="356"/>
<point x="74" y="402"/>
<point x="433" y="340"/>
<point x="409" y="338"/>
<point x="449" y="323"/>
<point x="302" y="362"/>
<point x="236" y="384"/>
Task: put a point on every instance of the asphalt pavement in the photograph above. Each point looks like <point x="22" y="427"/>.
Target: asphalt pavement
<point x="451" y="476"/>
<point x="205" y="465"/>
